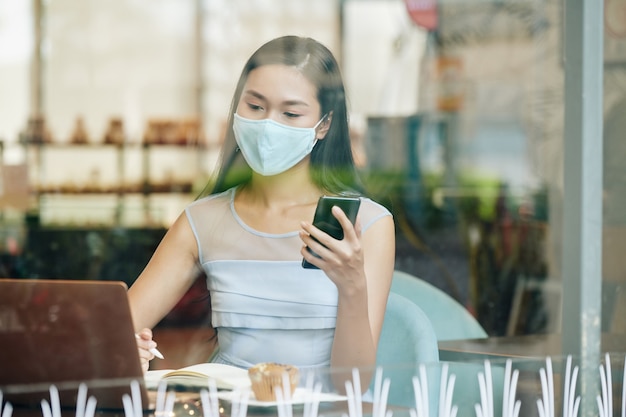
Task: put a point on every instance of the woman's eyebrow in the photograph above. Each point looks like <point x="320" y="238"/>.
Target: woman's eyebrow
<point x="255" y="94"/>
<point x="293" y="102"/>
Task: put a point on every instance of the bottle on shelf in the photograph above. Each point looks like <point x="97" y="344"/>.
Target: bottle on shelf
<point x="36" y="131"/>
<point x="181" y="132"/>
<point x="79" y="135"/>
<point x="114" y="134"/>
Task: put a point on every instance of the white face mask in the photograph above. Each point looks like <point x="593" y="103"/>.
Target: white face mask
<point x="271" y="148"/>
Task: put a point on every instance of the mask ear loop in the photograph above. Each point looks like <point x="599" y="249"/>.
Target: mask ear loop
<point x="322" y="120"/>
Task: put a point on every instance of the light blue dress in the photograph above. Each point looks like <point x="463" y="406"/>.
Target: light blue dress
<point x="265" y="306"/>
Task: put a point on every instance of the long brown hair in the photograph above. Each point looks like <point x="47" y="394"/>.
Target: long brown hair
<point x="332" y="165"/>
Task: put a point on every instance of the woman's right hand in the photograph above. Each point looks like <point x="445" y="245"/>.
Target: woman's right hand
<point x="144" y="344"/>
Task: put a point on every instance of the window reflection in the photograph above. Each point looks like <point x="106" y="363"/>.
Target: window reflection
<point x="459" y="131"/>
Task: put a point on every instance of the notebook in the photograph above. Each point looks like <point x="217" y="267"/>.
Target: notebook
<point x="67" y="332"/>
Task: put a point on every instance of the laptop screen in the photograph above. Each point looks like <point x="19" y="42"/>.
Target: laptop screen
<point x="64" y="333"/>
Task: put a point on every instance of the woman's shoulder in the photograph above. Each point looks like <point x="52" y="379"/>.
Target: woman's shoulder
<point x="374" y="205"/>
<point x="217" y="198"/>
<point x="371" y="211"/>
<point x="210" y="204"/>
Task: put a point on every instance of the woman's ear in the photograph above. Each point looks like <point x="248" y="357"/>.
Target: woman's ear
<point x="322" y="129"/>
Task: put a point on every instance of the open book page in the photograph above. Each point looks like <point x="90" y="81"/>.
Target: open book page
<point x="300" y="396"/>
<point x="225" y="376"/>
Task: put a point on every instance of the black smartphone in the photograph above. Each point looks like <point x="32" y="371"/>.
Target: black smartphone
<point x="326" y="222"/>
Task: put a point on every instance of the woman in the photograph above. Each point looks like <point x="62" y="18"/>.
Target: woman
<point x="287" y="145"/>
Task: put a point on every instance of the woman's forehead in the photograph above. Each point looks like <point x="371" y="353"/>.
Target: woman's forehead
<point x="281" y="83"/>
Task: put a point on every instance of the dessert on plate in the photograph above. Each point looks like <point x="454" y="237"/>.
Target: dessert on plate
<point x="266" y="377"/>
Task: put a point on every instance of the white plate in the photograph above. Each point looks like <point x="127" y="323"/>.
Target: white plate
<point x="300" y="396"/>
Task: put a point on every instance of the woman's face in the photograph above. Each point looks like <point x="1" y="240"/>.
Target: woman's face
<point x="280" y="93"/>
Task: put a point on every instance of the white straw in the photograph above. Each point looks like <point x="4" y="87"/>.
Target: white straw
<point x="210" y="404"/>
<point x="52" y="408"/>
<point x="442" y="387"/>
<point x="7" y="410"/>
<point x="132" y="404"/>
<point x="283" y="397"/>
<point x="506" y="398"/>
<point x="90" y="410"/>
<point x="605" y="402"/>
<point x="383" y="402"/>
<point x="450" y="412"/>
<point x="381" y="392"/>
<point x="446" y="393"/>
<point x="573" y="401"/>
<point x="566" y="392"/>
<point x="600" y="407"/>
<point x="164" y="400"/>
<point x="418" y="411"/>
<point x="311" y="405"/>
<point x="287" y="392"/>
<point x="55" y="402"/>
<point x="624" y="390"/>
<point x="239" y="406"/>
<point x="85" y="407"/>
<point x="601" y="398"/>
<point x="81" y="400"/>
<point x="489" y="382"/>
<point x="356" y="377"/>
<point x="609" y="383"/>
<point x="482" y="386"/>
<point x="316" y="399"/>
<point x="425" y="402"/>
<point x="550" y="386"/>
<point x="128" y="405"/>
<point x="544" y="393"/>
<point x="280" y="402"/>
<point x="351" y="400"/>
<point x="576" y="405"/>
<point x="308" y="395"/>
<point x="136" y="392"/>
<point x="509" y="404"/>
<point x="540" y="409"/>
<point x="377" y="393"/>
<point x="160" y="398"/>
<point x="45" y="408"/>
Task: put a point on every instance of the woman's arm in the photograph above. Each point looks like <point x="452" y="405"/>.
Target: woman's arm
<point x="362" y="268"/>
<point x="169" y="274"/>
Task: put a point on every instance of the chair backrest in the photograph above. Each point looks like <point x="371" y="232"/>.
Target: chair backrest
<point x="450" y="319"/>
<point x="407" y="339"/>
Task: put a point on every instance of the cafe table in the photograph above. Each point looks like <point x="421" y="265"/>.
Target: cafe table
<point x="529" y="354"/>
<point x="517" y="347"/>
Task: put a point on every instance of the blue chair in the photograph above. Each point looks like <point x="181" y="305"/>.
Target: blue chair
<point x="407" y="340"/>
<point x="450" y="319"/>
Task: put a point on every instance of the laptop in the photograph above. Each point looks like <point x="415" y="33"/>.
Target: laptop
<point x="66" y="332"/>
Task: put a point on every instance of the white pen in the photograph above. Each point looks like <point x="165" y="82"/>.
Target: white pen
<point x="154" y="351"/>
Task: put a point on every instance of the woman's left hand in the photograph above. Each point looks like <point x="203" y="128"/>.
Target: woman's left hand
<point x="341" y="260"/>
<point x="144" y="344"/>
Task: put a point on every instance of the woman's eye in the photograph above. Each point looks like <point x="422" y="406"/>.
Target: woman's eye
<point x="291" y="115"/>
<point x="255" y="107"/>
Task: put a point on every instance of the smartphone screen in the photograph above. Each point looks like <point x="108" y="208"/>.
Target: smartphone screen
<point x="325" y="221"/>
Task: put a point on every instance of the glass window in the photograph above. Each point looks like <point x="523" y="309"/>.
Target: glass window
<point x="459" y="131"/>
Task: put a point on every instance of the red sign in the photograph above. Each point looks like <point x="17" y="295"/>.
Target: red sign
<point x="423" y="12"/>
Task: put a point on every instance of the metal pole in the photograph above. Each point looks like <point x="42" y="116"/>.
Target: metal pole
<point x="37" y="62"/>
<point x="199" y="60"/>
<point x="582" y="209"/>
